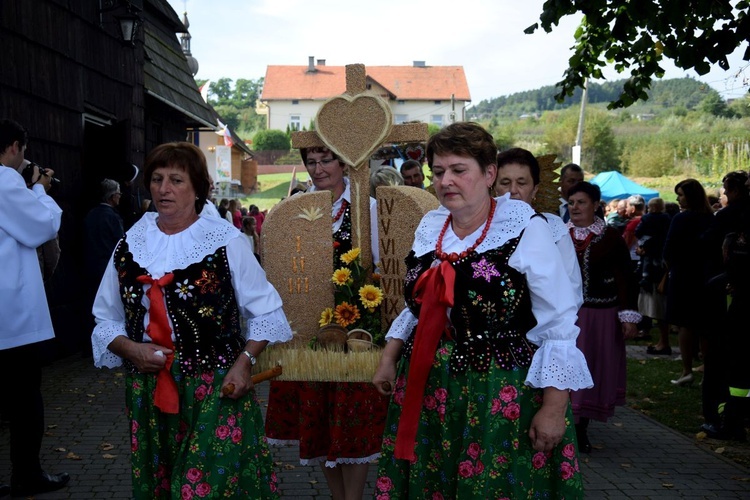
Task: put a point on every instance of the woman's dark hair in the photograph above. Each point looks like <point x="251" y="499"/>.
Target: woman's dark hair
<point x="735" y="181"/>
<point x="592" y="190"/>
<point x="522" y="157"/>
<point x="463" y="139"/>
<point x="695" y="195"/>
<point x="186" y="157"/>
<point x="319" y="149"/>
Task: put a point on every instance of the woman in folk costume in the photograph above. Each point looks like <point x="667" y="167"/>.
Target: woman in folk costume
<point x="169" y="308"/>
<point x="480" y="363"/>
<point x="609" y="313"/>
<point x="337" y="424"/>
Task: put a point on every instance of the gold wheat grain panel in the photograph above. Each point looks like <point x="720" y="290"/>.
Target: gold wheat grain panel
<point x="306" y="364"/>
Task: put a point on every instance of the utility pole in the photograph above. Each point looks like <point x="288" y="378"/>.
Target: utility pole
<point x="576" y="152"/>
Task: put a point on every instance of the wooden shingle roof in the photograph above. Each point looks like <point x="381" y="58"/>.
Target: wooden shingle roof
<point x="403" y="82"/>
<point x="168" y="79"/>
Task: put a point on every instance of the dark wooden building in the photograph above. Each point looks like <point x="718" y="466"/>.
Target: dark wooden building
<point x="94" y="104"/>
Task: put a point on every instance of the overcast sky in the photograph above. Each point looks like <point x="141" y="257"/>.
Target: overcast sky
<point x="239" y="38"/>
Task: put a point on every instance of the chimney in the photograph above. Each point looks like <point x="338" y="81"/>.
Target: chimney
<point x="321" y="62"/>
<point x="311" y="65"/>
<point x="419" y="64"/>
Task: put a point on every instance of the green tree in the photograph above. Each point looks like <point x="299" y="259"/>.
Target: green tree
<point x="741" y="107"/>
<point x="600" y="150"/>
<point x="246" y="92"/>
<point x="713" y="104"/>
<point x="505" y="137"/>
<point x="222" y="90"/>
<point x="636" y="34"/>
<point x="266" y="140"/>
<point x="432" y="129"/>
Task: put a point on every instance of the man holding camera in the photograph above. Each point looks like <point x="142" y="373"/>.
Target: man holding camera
<point x="28" y="218"/>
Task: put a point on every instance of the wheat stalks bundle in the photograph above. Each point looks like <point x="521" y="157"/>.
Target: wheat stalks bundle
<point x="302" y="363"/>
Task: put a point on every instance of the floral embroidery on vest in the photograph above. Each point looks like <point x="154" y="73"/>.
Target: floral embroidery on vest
<point x="490" y="315"/>
<point x="201" y="306"/>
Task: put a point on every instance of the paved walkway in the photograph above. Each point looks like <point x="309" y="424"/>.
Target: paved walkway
<point x="634" y="456"/>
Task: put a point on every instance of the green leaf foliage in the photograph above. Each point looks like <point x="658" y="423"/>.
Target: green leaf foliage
<point x="266" y="140"/>
<point x="635" y="35"/>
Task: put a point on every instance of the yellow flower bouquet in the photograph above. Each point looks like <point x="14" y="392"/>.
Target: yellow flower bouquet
<point x="357" y="303"/>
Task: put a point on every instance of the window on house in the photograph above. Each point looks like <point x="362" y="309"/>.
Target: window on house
<point x="295" y="101"/>
<point x="437" y="120"/>
<point x="295" y="123"/>
<point x="401" y="101"/>
<point x="400" y="119"/>
<point x="438" y="102"/>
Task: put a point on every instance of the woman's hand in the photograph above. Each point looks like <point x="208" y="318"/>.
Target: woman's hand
<point x="238" y="381"/>
<point x="629" y="330"/>
<point x="145" y="356"/>
<point x="384" y="379"/>
<point x="548" y="425"/>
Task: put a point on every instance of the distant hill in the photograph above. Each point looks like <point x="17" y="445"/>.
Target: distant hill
<point x="673" y="93"/>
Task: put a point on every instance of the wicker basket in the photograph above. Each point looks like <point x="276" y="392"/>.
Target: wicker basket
<point x="359" y="340"/>
<point x="332" y="337"/>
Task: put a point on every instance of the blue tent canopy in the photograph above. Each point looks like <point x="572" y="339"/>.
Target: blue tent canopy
<point x="615" y="185"/>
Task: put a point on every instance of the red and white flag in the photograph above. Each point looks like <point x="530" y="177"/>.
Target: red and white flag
<point x="223" y="131"/>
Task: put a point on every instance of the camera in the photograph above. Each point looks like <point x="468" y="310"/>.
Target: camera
<point x="28" y="173"/>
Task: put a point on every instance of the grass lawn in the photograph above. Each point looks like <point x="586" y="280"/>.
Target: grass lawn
<point x="650" y="392"/>
<point x="273" y="187"/>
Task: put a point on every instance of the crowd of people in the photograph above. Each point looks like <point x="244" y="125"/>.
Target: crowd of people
<point x="512" y="339"/>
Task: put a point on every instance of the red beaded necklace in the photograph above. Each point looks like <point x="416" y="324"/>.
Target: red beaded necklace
<point x="341" y="211"/>
<point x="453" y="256"/>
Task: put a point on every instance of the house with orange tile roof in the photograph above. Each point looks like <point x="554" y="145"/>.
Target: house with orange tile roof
<point x="292" y="95"/>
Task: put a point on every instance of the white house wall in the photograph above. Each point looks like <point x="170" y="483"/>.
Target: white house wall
<point x="282" y="112"/>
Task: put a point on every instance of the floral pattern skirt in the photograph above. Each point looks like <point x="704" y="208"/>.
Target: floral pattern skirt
<point x="335" y="422"/>
<point x="213" y="448"/>
<point x="472" y="440"/>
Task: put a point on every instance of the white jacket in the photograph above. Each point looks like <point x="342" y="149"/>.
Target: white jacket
<point x="28" y="218"/>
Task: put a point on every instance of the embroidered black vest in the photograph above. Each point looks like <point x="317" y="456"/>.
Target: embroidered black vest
<point x="200" y="303"/>
<point x="491" y="312"/>
<point x="342" y="239"/>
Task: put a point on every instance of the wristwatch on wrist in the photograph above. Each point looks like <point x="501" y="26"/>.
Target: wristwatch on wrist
<point x="250" y="357"/>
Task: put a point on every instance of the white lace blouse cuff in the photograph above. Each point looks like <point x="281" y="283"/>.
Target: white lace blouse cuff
<point x="559" y="364"/>
<point x="402" y="326"/>
<point x="629" y="316"/>
<point x="104" y="334"/>
<point x="272" y="327"/>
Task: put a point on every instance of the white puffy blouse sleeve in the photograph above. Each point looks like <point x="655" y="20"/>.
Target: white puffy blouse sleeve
<point x="257" y="299"/>
<point x="110" y="319"/>
<point x="402" y="326"/>
<point x="557" y="362"/>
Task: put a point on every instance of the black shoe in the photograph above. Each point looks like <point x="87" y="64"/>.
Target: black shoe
<point x="584" y="445"/>
<point x="664" y="351"/>
<point x="723" y="434"/>
<point x="42" y="483"/>
<point x="4" y="490"/>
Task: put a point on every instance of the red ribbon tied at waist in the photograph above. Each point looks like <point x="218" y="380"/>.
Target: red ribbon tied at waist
<point x="434" y="292"/>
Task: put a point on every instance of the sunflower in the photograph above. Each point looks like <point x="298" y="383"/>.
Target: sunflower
<point x="371" y="296"/>
<point x="326" y="317"/>
<point x="349" y="256"/>
<point x="346" y="314"/>
<point x="341" y="276"/>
